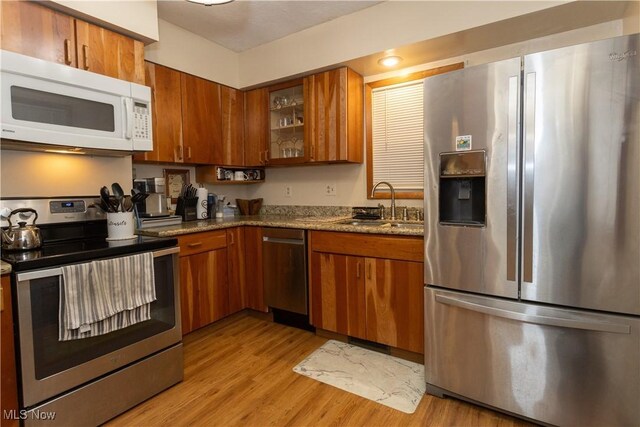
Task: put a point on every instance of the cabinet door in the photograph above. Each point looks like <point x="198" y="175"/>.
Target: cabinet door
<point x="394" y="292"/>
<point x="232" y="102"/>
<point x="256" y="126"/>
<point x="204" y="290"/>
<point x="336" y="112"/>
<point x="105" y="52"/>
<point x="338" y="293"/>
<point x="288" y="130"/>
<point x="254" y="292"/>
<point x="201" y="120"/>
<point x="166" y="107"/>
<point x="34" y="30"/>
<point x="236" y="268"/>
<point x="9" y="390"/>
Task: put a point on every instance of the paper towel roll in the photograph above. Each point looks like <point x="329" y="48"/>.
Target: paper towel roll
<point x="201" y="209"/>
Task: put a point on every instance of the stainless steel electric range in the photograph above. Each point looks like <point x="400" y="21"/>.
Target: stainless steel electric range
<point x="88" y="381"/>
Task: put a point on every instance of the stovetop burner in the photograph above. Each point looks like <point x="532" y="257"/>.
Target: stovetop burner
<point x="76" y="238"/>
<point x="70" y="252"/>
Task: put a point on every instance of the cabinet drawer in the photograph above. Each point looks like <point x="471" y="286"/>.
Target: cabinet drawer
<point x="405" y="248"/>
<point x="201" y="242"/>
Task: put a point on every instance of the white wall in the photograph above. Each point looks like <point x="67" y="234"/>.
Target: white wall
<point x="188" y="52"/>
<point x="29" y="174"/>
<point x="231" y="191"/>
<point x="308" y="182"/>
<point x="138" y="18"/>
<point x="385" y="26"/>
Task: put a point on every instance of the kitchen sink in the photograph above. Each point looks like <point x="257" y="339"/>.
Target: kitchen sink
<point x="407" y="225"/>
<point x="363" y="223"/>
<point x="381" y="223"/>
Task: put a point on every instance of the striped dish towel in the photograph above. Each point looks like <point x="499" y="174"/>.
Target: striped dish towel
<point x="103" y="296"/>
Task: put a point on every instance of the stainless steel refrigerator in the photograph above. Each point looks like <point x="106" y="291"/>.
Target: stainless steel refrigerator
<point x="532" y="234"/>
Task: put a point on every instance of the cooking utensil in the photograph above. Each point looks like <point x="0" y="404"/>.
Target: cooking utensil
<point x="119" y="195"/>
<point x="137" y="196"/>
<point x="127" y="204"/>
<point x="104" y="199"/>
<point x="21" y="237"/>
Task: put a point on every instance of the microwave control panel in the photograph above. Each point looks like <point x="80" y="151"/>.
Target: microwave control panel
<point x="142" y="120"/>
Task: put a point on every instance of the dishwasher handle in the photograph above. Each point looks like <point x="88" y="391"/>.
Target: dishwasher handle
<point x="283" y="241"/>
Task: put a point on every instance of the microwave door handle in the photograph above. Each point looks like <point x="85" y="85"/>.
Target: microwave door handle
<point x="128" y="113"/>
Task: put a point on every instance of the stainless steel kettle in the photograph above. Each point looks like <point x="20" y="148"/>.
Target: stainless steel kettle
<point x="21" y="237"/>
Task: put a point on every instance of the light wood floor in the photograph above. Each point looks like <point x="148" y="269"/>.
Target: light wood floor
<point x="238" y="372"/>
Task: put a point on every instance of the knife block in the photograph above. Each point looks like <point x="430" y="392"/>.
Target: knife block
<point x="186" y="208"/>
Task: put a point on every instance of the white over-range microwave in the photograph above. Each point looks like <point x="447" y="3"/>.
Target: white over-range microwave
<point x="59" y="106"/>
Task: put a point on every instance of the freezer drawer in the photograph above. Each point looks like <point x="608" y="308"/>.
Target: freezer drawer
<point x="558" y="366"/>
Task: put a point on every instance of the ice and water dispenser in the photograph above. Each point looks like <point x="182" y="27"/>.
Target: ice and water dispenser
<point x="462" y="188"/>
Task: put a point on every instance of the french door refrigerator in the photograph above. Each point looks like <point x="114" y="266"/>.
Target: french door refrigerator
<point x="532" y="234"/>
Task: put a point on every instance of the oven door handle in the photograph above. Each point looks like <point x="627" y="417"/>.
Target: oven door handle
<point x="50" y="272"/>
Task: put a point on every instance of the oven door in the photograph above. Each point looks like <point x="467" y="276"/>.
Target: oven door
<point x="50" y="367"/>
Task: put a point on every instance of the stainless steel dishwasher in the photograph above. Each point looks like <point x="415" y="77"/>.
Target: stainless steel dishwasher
<point x="285" y="269"/>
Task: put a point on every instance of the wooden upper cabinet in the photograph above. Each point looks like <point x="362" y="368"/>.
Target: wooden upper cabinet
<point x="232" y="103"/>
<point x="105" y="52"/>
<point x="336" y="117"/>
<point x="166" y="107"/>
<point x="256" y="126"/>
<point x="34" y="30"/>
<point x="201" y="124"/>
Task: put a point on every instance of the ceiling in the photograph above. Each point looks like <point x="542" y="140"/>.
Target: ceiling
<point x="245" y="24"/>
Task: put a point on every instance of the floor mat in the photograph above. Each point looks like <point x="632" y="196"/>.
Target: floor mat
<point x="388" y="380"/>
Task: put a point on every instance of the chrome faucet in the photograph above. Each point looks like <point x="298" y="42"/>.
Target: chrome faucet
<point x="393" y="197"/>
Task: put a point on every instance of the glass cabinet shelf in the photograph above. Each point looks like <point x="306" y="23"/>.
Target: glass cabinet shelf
<point x="286" y="116"/>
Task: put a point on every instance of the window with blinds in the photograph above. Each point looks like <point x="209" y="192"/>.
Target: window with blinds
<point x="397" y="135"/>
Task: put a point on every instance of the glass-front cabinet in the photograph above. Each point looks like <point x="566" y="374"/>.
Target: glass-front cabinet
<point x="288" y="141"/>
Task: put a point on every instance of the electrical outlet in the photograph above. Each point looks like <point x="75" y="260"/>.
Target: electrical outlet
<point x="287" y="191"/>
<point x="330" y="189"/>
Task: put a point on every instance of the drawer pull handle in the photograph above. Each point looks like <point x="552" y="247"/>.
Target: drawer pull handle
<point x="67" y="52"/>
<point x="358" y="269"/>
<point x="85" y="53"/>
<point x="194" y="245"/>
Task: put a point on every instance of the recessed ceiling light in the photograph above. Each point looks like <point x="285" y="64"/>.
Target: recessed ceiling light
<point x="389" y="61"/>
<point x="210" y="2"/>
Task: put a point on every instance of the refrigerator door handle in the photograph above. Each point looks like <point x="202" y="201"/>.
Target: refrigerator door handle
<point x="512" y="177"/>
<point x="529" y="166"/>
<point x="460" y="302"/>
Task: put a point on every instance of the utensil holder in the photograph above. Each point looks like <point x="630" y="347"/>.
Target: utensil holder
<point x="187" y="208"/>
<point x="120" y="225"/>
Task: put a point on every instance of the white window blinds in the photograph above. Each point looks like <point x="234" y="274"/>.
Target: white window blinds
<point x="397" y="135"/>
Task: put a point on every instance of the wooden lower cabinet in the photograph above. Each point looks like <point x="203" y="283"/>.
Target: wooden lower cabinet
<point x="9" y="390"/>
<point x="204" y="284"/>
<point x="338" y="293"/>
<point x="253" y="296"/>
<point x="394" y="303"/>
<point x="204" y="289"/>
<point x="236" y="268"/>
<point x="220" y="274"/>
<point x="362" y="287"/>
